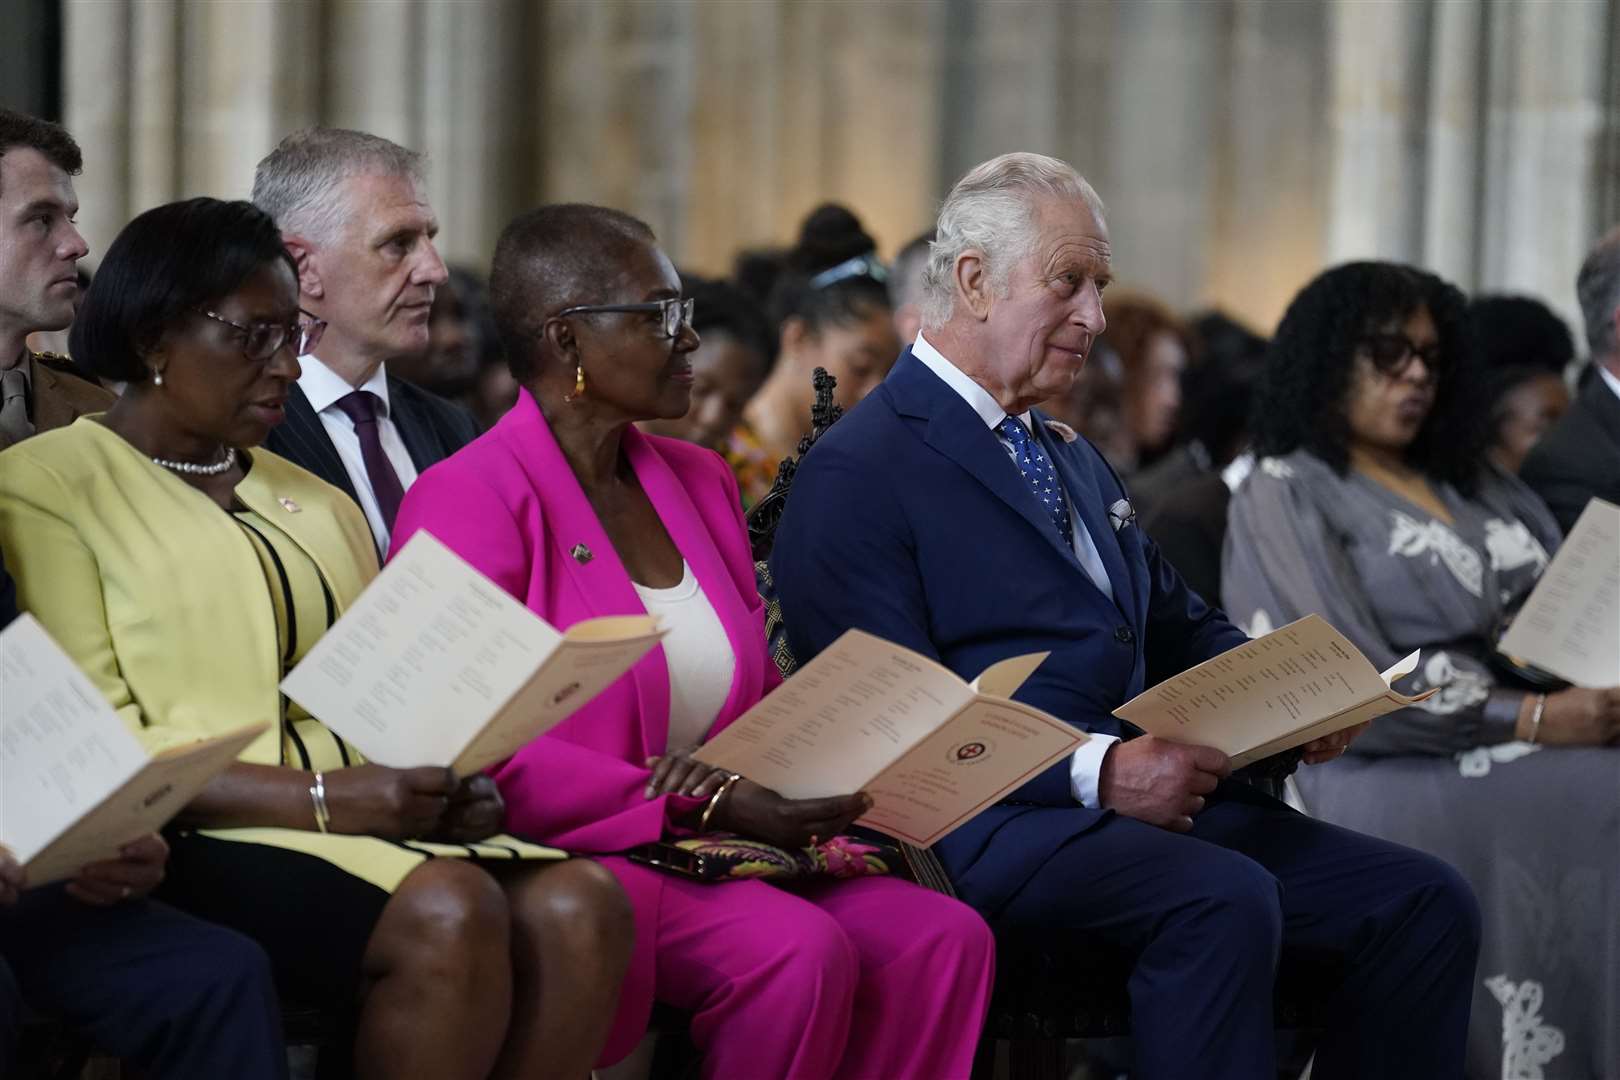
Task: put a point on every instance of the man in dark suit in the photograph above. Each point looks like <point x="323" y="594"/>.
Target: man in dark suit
<point x="1579" y="457"/>
<point x="944" y="514"/>
<point x="354" y="214"/>
<point x="40" y="249"/>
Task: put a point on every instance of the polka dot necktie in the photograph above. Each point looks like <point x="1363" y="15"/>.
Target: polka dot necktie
<point x="1039" y="474"/>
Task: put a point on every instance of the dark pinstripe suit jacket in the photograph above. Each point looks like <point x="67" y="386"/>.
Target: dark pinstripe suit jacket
<point x="431" y="428"/>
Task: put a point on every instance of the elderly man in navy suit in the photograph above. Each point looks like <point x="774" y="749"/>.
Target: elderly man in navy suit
<point x="947" y="514"/>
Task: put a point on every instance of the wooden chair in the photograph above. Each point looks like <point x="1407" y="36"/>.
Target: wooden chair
<point x="1048" y="990"/>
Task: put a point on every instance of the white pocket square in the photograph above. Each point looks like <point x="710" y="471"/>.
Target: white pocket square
<point x="1121" y="514"/>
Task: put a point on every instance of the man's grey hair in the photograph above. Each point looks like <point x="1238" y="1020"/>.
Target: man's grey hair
<point x="1598" y="289"/>
<point x="298" y="182"/>
<point x="992" y="210"/>
<point x="906" y="275"/>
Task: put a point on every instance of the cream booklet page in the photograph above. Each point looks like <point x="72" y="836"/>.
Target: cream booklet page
<point x="435" y="664"/>
<point x="75" y="785"/>
<point x="869" y="715"/>
<point x="1298" y="683"/>
<point x="1570" y="625"/>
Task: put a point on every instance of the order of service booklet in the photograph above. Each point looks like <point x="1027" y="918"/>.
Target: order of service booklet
<point x="434" y="664"/>
<point x="869" y="715"/>
<point x="1570" y="625"/>
<point x="75" y="783"/>
<point x="1300" y="682"/>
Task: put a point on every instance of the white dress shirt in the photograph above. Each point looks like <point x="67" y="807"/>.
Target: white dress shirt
<point x="1085" y="767"/>
<point x="1609" y="378"/>
<point x="323" y="387"/>
<point x="697" y="653"/>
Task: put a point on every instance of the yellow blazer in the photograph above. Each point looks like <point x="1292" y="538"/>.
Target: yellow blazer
<point x="154" y="590"/>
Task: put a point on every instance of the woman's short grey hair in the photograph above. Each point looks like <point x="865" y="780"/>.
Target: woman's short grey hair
<point x="992" y="210"/>
<point x="298" y="182"/>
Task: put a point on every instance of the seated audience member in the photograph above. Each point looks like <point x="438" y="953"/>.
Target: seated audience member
<point x="1374" y="505"/>
<point x="571" y="509"/>
<point x="905" y="287"/>
<point x="1152" y="347"/>
<point x="169" y="994"/>
<point x="40" y="249"/>
<point x="353" y="209"/>
<point x="448" y="364"/>
<point x="1579" y="458"/>
<point x="186" y="573"/>
<point x="831" y="307"/>
<point x="726" y="372"/>
<point x="1523" y="349"/>
<point x="1215" y="413"/>
<point x="1188" y="521"/>
<point x="948" y="515"/>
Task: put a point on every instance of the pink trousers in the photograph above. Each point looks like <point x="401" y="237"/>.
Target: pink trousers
<point x="864" y="979"/>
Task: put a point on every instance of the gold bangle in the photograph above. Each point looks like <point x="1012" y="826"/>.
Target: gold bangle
<point x="714" y="801"/>
<point x="317" y="796"/>
<point x="1535" y="718"/>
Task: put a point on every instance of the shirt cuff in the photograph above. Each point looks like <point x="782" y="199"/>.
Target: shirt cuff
<point x="1085" y="769"/>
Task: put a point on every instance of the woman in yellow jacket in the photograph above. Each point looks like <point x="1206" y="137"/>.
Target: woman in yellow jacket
<point x="186" y="573"/>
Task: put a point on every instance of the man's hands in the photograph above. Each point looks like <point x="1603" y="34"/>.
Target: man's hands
<point x="1331" y="746"/>
<point x="758" y="812"/>
<point x="1160" y="782"/>
<point x="137" y="871"/>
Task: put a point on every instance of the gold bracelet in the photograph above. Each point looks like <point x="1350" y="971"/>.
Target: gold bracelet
<point x="1535" y="717"/>
<point x="714" y="801"/>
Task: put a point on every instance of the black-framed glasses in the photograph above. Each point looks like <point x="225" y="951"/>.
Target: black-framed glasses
<point x="260" y="340"/>
<point x="1392" y="354"/>
<point x="674" y="315"/>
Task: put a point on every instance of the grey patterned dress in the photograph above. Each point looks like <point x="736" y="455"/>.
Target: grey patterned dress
<point x="1535" y="830"/>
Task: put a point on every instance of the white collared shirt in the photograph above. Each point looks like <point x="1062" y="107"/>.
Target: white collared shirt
<point x="1610" y="379"/>
<point x="1086" y="765"/>
<point x="323" y="387"/>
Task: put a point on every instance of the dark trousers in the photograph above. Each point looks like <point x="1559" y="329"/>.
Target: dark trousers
<point x="1206" y="914"/>
<point x="181" y="998"/>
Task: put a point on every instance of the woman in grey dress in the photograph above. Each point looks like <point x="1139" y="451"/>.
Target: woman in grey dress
<point x="1373" y="504"/>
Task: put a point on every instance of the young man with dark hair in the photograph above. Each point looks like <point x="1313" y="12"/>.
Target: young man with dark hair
<point x="40" y="249"/>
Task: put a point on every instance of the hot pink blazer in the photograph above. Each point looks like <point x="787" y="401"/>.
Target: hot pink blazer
<point x="508" y="503"/>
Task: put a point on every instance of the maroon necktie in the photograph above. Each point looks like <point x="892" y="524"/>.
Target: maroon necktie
<point x="361" y="407"/>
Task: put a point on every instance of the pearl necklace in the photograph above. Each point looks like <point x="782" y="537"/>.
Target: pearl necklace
<point x="194" y="469"/>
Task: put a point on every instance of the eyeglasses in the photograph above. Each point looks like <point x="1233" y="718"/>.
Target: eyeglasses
<point x="674" y="315"/>
<point x="260" y="340"/>
<point x="1392" y="354"/>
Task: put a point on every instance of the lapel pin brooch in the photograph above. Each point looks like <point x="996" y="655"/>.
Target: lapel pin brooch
<point x="289" y="506"/>
<point x="582" y="554"/>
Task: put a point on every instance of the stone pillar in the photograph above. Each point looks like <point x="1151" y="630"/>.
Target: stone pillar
<point x="96" y="66"/>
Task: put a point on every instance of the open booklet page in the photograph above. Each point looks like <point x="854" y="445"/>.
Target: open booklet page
<point x="866" y="709"/>
<point x="435" y="664"/>
<point x="1570" y="625"/>
<point x="75" y="784"/>
<point x="1300" y="682"/>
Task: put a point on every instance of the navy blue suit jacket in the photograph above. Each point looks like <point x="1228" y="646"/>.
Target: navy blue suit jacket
<point x="908" y="519"/>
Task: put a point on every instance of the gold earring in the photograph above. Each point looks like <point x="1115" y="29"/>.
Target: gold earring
<point x="579" y="384"/>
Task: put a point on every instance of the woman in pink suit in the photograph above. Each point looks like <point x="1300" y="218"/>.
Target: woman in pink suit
<point x="571" y="509"/>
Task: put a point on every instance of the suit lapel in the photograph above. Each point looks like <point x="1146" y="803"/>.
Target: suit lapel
<point x="601" y="581"/>
<point x="1605" y="406"/>
<point x="306" y="436"/>
<point x="1086" y="501"/>
<point x="415" y="428"/>
<point x="955" y="430"/>
<point x="52" y="409"/>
